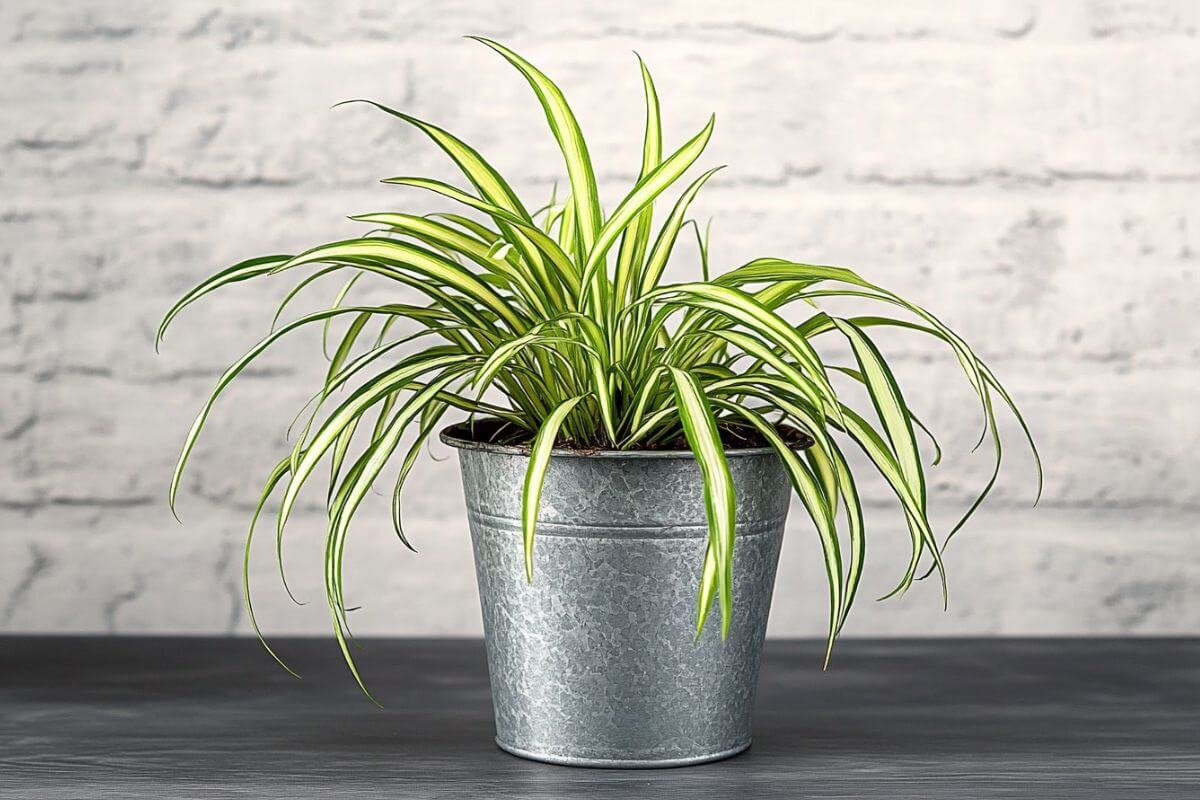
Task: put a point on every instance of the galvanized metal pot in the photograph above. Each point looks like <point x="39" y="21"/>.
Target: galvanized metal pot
<point x="595" y="663"/>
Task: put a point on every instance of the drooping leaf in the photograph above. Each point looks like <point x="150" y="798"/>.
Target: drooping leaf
<point x="810" y="491"/>
<point x="539" y="462"/>
<point x="700" y="428"/>
<point x="889" y="403"/>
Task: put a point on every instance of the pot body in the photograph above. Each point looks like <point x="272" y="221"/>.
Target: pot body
<point x="596" y="663"/>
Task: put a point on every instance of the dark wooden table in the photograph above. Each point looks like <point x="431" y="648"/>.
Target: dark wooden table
<point x="959" y="718"/>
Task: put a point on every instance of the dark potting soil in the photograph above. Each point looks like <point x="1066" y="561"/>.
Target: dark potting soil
<point x="488" y="430"/>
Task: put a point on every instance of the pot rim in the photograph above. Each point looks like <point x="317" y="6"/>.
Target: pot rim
<point x="458" y="437"/>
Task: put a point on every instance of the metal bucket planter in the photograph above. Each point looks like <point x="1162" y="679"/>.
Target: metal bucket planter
<point x="595" y="663"/>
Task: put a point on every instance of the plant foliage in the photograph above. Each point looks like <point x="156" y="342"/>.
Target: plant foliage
<point x="563" y="310"/>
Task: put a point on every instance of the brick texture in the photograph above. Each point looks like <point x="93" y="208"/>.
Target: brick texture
<point x="1027" y="169"/>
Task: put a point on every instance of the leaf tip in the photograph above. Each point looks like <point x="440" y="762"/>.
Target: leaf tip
<point x="499" y="48"/>
<point x="353" y="100"/>
<point x="171" y="494"/>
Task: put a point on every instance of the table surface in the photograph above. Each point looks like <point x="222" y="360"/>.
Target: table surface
<point x="955" y="718"/>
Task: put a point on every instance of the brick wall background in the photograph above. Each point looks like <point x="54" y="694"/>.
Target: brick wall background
<point x="1028" y="169"/>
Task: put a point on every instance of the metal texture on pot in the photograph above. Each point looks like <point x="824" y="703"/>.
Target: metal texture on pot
<point x="595" y="663"/>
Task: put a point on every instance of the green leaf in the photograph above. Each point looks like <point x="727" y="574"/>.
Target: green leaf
<point x="337" y="301"/>
<point x="584" y="195"/>
<point x="565" y="269"/>
<point x="744" y="310"/>
<point x="882" y="459"/>
<point x="637" y="235"/>
<point x="273" y="479"/>
<point x="345" y="347"/>
<point x="351" y="409"/>
<point x="407" y="257"/>
<point x="810" y="491"/>
<point x="889" y="403"/>
<point x="478" y="171"/>
<point x="702" y="246"/>
<point x="236" y="368"/>
<point x="539" y="462"/>
<point x="430" y="417"/>
<point x="295" y="290"/>
<point x="700" y="428"/>
<point x="982" y="380"/>
<point x="251" y="268"/>
<point x="435" y="234"/>
<point x="858" y="541"/>
<point x="916" y="421"/>
<point x="802" y="383"/>
<point x="669" y="232"/>
<point x="640" y="198"/>
<point x="372" y="461"/>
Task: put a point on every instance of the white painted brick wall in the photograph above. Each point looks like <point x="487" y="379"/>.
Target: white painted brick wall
<point x="1028" y="169"/>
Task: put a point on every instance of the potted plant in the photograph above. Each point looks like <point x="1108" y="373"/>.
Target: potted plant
<point x="646" y="432"/>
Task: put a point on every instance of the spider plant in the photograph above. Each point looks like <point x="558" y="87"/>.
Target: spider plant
<point x="564" y="314"/>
